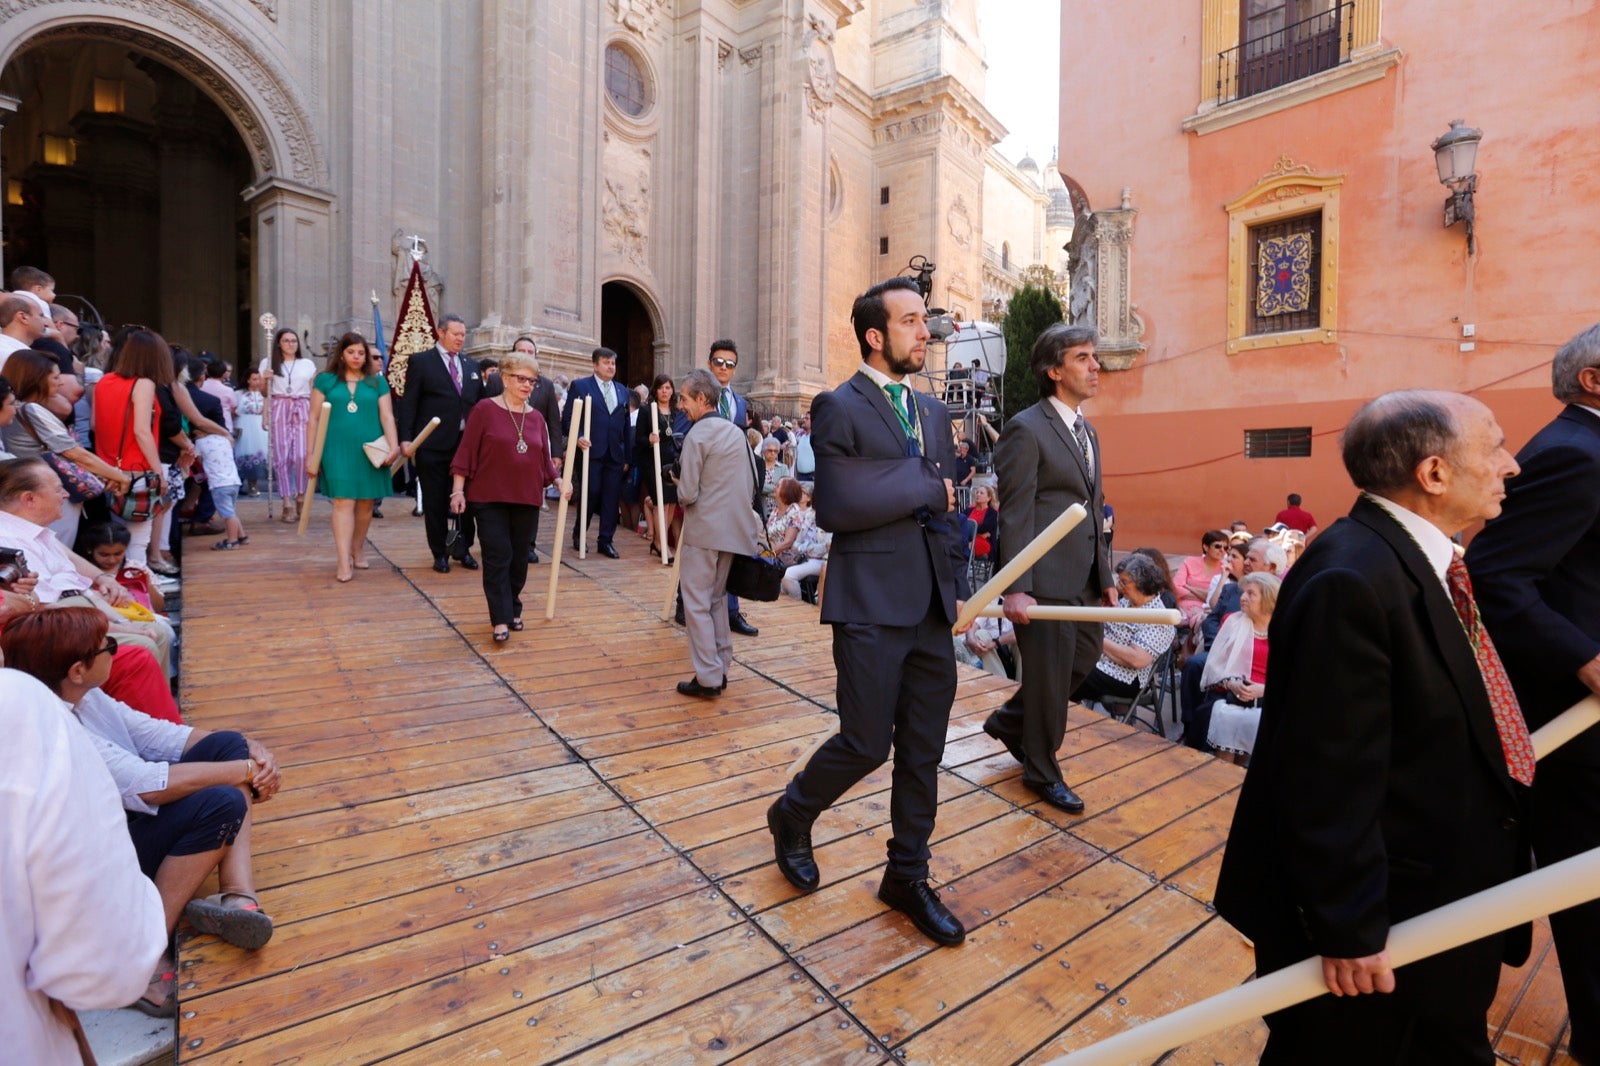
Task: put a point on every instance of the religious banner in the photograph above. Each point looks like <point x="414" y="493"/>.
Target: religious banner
<point x="1283" y="282"/>
<point x="413" y="330"/>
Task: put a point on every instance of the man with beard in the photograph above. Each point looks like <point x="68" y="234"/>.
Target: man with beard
<point x="885" y="459"/>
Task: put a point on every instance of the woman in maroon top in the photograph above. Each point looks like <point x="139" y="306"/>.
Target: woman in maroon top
<point x="501" y="468"/>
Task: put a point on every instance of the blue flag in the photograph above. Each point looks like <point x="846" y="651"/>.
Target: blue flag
<point x="377" y="334"/>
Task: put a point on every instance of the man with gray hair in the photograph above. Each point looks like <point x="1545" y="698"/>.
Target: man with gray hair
<point x="1537" y="569"/>
<point x="1387" y="777"/>
<point x="1048" y="459"/>
<point x="716" y="485"/>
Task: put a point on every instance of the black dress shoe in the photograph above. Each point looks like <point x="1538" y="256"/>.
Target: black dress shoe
<point x="1057" y="794"/>
<point x="677" y="615"/>
<point x="574" y="540"/>
<point x="441" y="563"/>
<point x="791" y="848"/>
<point x="533" y="555"/>
<point x="693" y="687"/>
<point x="1013" y="745"/>
<point x="921" y="904"/>
<point x="737" y="624"/>
<point x="608" y="551"/>
<point x="467" y="561"/>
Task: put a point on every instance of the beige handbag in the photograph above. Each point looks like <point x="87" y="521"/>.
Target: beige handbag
<point x="377" y="451"/>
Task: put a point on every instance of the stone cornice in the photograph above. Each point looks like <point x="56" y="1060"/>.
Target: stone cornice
<point x="945" y="94"/>
<point x="1359" y="71"/>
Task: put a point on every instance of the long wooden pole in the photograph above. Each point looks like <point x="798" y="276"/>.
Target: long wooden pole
<point x="1141" y="615"/>
<point x="1047" y="538"/>
<point x="316" y="467"/>
<point x="561" y="515"/>
<point x="433" y="424"/>
<point x="1554" y="888"/>
<point x="672" y="585"/>
<point x="661" y="500"/>
<point x="583" y="517"/>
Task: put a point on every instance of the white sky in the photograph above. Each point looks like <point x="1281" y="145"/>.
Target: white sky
<point x="1022" y="43"/>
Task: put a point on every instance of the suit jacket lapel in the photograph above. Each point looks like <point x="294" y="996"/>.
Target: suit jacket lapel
<point x="1448" y="634"/>
<point x="1067" y="441"/>
<point x="873" y="395"/>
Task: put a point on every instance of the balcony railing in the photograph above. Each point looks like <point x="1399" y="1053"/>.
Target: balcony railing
<point x="1296" y="51"/>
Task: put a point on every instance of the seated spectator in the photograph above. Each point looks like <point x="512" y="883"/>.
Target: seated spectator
<point x="8" y="414"/>
<point x="30" y="499"/>
<point x="985" y="515"/>
<point x="811" y="547"/>
<point x="989" y="645"/>
<point x="1129" y="650"/>
<point x="1294" y="542"/>
<point x="1223" y="597"/>
<point x="1261" y="557"/>
<point x="773" y="471"/>
<point x="36" y="431"/>
<point x="786" y="521"/>
<point x="188" y="791"/>
<point x="1236" y="670"/>
<point x="81" y="925"/>
<point x="1193" y="579"/>
<point x="1169" y="595"/>
<point x="105" y="544"/>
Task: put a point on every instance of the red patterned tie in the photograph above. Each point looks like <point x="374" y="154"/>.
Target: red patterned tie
<point x="1514" y="739"/>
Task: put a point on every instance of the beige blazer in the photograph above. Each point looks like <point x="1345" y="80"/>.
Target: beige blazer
<point x="716" y="481"/>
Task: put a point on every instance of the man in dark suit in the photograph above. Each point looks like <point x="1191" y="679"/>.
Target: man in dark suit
<point x="1048" y="459"/>
<point x="723" y="362"/>
<point x="1537" y="569"/>
<point x="884" y="463"/>
<point x="442" y="383"/>
<point x="608" y="450"/>
<point x="1385" y="778"/>
<point x="543" y="399"/>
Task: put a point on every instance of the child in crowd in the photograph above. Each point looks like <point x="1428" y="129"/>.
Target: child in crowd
<point x="106" y="546"/>
<point x="222" y="476"/>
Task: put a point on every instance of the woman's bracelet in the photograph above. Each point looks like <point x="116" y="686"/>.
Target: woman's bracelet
<point x="458" y="492"/>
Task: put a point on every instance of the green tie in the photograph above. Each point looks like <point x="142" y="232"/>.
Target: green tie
<point x="897" y="393"/>
<point x="727" y="405"/>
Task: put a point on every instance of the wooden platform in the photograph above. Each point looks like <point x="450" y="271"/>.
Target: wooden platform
<point x="539" y="852"/>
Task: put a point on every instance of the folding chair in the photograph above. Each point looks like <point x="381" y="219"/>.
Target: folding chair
<point x="1151" y="696"/>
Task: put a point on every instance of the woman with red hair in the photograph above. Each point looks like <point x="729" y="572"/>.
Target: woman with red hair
<point x="187" y="791"/>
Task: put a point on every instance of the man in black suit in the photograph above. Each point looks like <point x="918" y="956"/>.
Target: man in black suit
<point x="1047" y="460"/>
<point x="543" y="399"/>
<point x="442" y="383"/>
<point x="884" y="463"/>
<point x="608" y="450"/>
<point x="1537" y="569"/>
<point x="1387" y="776"/>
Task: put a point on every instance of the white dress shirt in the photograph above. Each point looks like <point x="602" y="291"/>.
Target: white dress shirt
<point x="58" y="574"/>
<point x="1438" y="548"/>
<point x="294" y="380"/>
<point x="79" y="922"/>
<point x="135" y="747"/>
<point x="1070" y="415"/>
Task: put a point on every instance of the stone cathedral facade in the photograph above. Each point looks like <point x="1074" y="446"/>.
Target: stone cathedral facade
<point x="648" y="174"/>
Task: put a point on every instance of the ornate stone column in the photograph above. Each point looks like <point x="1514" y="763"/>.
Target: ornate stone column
<point x="290" y="272"/>
<point x="1116" y="317"/>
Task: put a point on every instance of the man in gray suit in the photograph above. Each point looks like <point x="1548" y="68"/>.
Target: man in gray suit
<point x="716" y="486"/>
<point x="1048" y="458"/>
<point x="885" y="460"/>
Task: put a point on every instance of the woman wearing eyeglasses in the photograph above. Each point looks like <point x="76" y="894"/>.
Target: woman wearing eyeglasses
<point x="360" y="410"/>
<point x="500" y="470"/>
<point x="188" y="791"/>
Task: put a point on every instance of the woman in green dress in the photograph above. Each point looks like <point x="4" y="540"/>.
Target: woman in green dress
<point x="361" y="411"/>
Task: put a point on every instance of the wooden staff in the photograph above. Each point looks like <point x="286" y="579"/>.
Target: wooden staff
<point x="316" y="467"/>
<point x="561" y="514"/>
<point x="583" y="518"/>
<point x="672" y="586"/>
<point x="1137" y="615"/>
<point x="433" y="424"/>
<point x="1553" y="888"/>
<point x="661" y="500"/>
<point x="996" y="585"/>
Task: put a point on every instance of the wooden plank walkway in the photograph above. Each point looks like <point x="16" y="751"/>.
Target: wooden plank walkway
<point x="538" y="852"/>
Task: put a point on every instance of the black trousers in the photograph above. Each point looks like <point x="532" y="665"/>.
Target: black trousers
<point x="896" y="685"/>
<point x="433" y="471"/>
<point x="1056" y="657"/>
<point x="1566" y="822"/>
<point x="1195" y="704"/>
<point x="506" y="529"/>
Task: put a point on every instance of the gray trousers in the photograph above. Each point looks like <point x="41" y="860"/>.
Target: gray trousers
<point x="703" y="581"/>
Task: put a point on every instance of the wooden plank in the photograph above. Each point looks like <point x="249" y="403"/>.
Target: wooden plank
<point x="830" y="1039"/>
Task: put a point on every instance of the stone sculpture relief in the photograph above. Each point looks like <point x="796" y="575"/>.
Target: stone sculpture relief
<point x="822" y="75"/>
<point x="625" y="208"/>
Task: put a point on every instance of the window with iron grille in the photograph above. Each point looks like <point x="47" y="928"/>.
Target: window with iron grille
<point x="1293" y="442"/>
<point x="1284" y="275"/>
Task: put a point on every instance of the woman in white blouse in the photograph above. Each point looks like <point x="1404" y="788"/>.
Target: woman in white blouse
<point x="188" y="792"/>
<point x="290" y="373"/>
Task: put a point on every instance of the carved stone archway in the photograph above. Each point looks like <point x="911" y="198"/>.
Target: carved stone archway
<point x="218" y="47"/>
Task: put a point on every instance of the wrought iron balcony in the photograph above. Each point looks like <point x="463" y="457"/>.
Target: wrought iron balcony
<point x="1298" y="50"/>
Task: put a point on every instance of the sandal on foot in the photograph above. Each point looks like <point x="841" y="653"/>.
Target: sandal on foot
<point x="243" y="926"/>
<point x="165" y="982"/>
<point x="226" y="545"/>
<point x="501" y="635"/>
<point x="244" y="538"/>
<point x="516" y="625"/>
